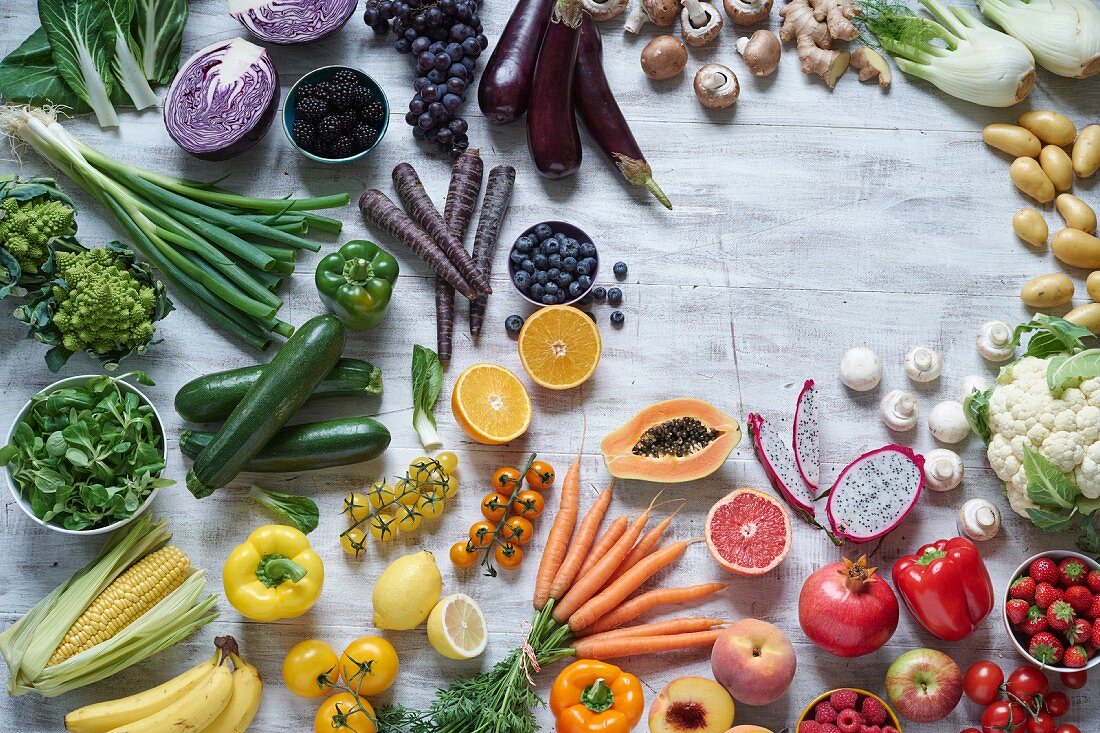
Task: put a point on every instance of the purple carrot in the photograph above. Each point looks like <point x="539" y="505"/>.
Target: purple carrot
<point x="384" y="213"/>
<point x="498" y="194"/>
<point x="419" y="205"/>
<point x="444" y="318"/>
<point x="462" y="196"/>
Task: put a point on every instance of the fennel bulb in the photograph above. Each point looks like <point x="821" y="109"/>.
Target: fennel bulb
<point x="1063" y="35"/>
<point x="956" y="52"/>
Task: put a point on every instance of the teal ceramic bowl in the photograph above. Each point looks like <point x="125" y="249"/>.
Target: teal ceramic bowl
<point x="324" y="74"/>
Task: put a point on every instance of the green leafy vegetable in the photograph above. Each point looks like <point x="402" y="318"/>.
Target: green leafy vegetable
<point x="1046" y="485"/>
<point x="1049" y="521"/>
<point x="157" y="30"/>
<point x="36" y="220"/>
<point x="297" y="511"/>
<point x="1051" y="335"/>
<point x="1065" y="369"/>
<point x="82" y="39"/>
<point x="124" y="63"/>
<point x="28" y="74"/>
<point x="976" y="409"/>
<point x="427" y="382"/>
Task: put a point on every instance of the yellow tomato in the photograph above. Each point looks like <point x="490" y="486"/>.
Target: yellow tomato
<point x="493" y="506"/>
<point x="380" y="495"/>
<point x="422" y="468"/>
<point x="357" y="506"/>
<point x="463" y="555"/>
<point x="383" y="527"/>
<point x="508" y="556"/>
<point x="352" y="541"/>
<point x="448" y="486"/>
<point x="528" y="503"/>
<point x="518" y="530"/>
<point x="430" y="505"/>
<point x="342" y="714"/>
<point x="481" y="534"/>
<point x="309" y="668"/>
<point x="448" y="461"/>
<point x="408" y="518"/>
<point x="369" y="665"/>
<point x="405" y="492"/>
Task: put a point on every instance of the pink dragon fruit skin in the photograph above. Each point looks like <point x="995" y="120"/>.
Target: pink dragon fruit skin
<point x="807" y="456"/>
<point x="777" y="460"/>
<point x="875" y="492"/>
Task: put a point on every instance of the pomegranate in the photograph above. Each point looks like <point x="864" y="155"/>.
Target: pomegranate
<point x="846" y="610"/>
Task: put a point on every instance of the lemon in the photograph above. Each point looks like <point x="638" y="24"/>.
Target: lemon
<point x="406" y="592"/>
<point x="456" y="627"/>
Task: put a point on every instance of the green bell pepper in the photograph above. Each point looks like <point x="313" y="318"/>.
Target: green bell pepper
<point x="356" y="282"/>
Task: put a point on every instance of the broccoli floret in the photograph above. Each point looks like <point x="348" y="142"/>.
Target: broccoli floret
<point x="101" y="306"/>
<point x="26" y="228"/>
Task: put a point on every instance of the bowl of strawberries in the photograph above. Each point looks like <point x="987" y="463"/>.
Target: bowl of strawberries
<point x="1052" y="611"/>
<point x="848" y="710"/>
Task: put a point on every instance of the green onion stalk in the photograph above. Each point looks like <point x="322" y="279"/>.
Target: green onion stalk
<point x="192" y="232"/>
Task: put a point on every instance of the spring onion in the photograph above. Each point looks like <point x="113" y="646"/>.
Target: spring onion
<point x="1063" y="35"/>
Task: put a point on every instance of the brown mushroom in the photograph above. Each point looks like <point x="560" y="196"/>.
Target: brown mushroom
<point x="700" y="22"/>
<point x="761" y="52"/>
<point x="659" y="12"/>
<point x="664" y="57"/>
<point x="747" y="12"/>
<point x="716" y="86"/>
<point x="604" y="9"/>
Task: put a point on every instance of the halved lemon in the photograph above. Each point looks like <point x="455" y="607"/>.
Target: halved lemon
<point x="559" y="346"/>
<point x="491" y="404"/>
<point x="456" y="627"/>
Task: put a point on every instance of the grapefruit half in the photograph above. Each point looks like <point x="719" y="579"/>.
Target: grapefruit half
<point x="748" y="532"/>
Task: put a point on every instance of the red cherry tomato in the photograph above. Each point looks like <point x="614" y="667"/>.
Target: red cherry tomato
<point x="1075" y="680"/>
<point x="1004" y="717"/>
<point x="1027" y="682"/>
<point x="982" y="682"/>
<point x="1066" y="728"/>
<point x="1056" y="703"/>
<point x="1043" y="722"/>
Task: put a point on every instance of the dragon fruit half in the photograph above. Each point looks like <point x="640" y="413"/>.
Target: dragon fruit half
<point x="777" y="458"/>
<point x="807" y="456"/>
<point x="875" y="492"/>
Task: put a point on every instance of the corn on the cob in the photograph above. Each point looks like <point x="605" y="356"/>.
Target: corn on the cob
<point x="145" y="584"/>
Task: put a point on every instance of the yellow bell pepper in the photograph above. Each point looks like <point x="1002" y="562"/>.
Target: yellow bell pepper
<point x="274" y="574"/>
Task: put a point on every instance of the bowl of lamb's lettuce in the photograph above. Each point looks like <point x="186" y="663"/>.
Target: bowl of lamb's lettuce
<point x="86" y="454"/>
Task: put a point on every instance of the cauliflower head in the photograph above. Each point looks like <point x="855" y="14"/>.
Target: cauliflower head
<point x="1064" y="427"/>
<point x="27" y="227"/>
<point x="101" y="306"/>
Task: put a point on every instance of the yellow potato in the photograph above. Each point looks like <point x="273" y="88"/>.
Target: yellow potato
<point x="1030" y="179"/>
<point x="1076" y="248"/>
<point x="1048" y="291"/>
<point x="1056" y="163"/>
<point x="1087" y="316"/>
<point x="1077" y="213"/>
<point x="1012" y="139"/>
<point x="1030" y="226"/>
<point x="1049" y="126"/>
<point x="1086" y="152"/>
<point x="1092" y="285"/>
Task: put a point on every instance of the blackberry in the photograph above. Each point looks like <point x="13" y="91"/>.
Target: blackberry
<point x="345" y="76"/>
<point x="311" y="109"/>
<point x="364" y="136"/>
<point x="373" y="112"/>
<point x="329" y="128"/>
<point x="348" y="121"/>
<point x="309" y="90"/>
<point x="341" y="96"/>
<point x="343" y="147"/>
<point x="360" y="98"/>
<point x="304" y="133"/>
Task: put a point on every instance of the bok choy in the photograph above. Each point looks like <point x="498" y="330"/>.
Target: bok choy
<point x="1063" y="35"/>
<point x="124" y="64"/>
<point x="82" y="38"/>
<point x="956" y="52"/>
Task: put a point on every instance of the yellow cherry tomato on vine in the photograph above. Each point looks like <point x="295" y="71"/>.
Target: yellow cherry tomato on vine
<point x="380" y="495"/>
<point x="369" y="665"/>
<point x="447" y="460"/>
<point x="357" y="506"/>
<point x="505" y="480"/>
<point x="352" y="541"/>
<point x="405" y="492"/>
<point x="494" y="506"/>
<point x="540" y="476"/>
<point x="430" y="505"/>
<point x="518" y="530"/>
<point x="421" y="469"/>
<point x="508" y="556"/>
<point x="528" y="504"/>
<point x="463" y="555"/>
<point x="383" y="527"/>
<point x="481" y="534"/>
<point x="447" y="486"/>
<point x="342" y="714"/>
<point x="408" y="518"/>
<point x="309" y="668"/>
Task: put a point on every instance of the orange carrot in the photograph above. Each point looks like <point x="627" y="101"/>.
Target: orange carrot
<point x="614" y="531"/>
<point x="557" y="542"/>
<point x="638" y="605"/>
<point x="661" y="628"/>
<point x="627" y="646"/>
<point x="645" y="545"/>
<point x="616" y="592"/>
<point x="581" y="544"/>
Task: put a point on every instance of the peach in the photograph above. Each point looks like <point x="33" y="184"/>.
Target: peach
<point x="754" y="661"/>
<point x="748" y="729"/>
<point x="691" y="705"/>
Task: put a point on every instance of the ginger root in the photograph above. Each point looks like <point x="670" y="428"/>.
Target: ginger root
<point x="814" y="25"/>
<point x="829" y="64"/>
<point x="871" y="65"/>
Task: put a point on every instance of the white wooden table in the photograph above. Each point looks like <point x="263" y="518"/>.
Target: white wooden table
<point x="806" y="222"/>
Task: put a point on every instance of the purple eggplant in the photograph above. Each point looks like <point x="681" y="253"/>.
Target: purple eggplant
<point x="505" y="85"/>
<point x="552" y="135"/>
<point x="604" y="121"/>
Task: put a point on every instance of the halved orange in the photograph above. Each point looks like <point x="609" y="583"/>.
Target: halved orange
<point x="559" y="346"/>
<point x="491" y="404"/>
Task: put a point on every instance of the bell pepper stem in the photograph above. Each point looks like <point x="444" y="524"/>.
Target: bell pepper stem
<point x="598" y="697"/>
<point x="358" y="270"/>
<point x="929" y="556"/>
<point x="275" y="569"/>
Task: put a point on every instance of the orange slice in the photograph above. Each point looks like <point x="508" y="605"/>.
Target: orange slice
<point x="491" y="404"/>
<point x="559" y="346"/>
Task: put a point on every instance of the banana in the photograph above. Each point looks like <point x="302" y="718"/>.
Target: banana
<point x="247" y="690"/>
<point x="108" y="715"/>
<point x="193" y="712"/>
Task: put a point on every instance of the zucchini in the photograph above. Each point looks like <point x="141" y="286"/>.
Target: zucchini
<point x="212" y="397"/>
<point x="284" y="386"/>
<point x="308" y="446"/>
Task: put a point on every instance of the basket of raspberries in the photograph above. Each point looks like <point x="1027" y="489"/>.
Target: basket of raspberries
<point x="1052" y="611"/>
<point x="338" y="118"/>
<point x="848" y="711"/>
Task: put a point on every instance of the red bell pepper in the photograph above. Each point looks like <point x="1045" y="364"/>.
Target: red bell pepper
<point x="946" y="587"/>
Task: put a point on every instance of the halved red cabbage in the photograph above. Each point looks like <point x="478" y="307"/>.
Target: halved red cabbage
<point x="291" y="21"/>
<point x="222" y="100"/>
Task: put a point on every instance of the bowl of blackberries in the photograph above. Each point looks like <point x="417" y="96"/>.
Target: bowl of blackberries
<point x="335" y="114"/>
<point x="553" y="263"/>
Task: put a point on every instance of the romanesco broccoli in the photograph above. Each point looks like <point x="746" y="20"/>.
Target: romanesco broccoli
<point x="26" y="228"/>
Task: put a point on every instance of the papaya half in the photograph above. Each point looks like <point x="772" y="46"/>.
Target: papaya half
<point x="671" y="441"/>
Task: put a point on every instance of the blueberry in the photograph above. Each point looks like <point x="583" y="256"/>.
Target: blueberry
<point x="617" y="318"/>
<point x="564" y="279"/>
<point x="553" y="273"/>
<point x="560" y="236"/>
<point x="569" y="264"/>
<point x="542" y="277"/>
<point x="599" y="293"/>
<point x="552" y="288"/>
<point x="587" y="297"/>
<point x="582" y="268"/>
<point x="525" y="244"/>
<point x="619" y="269"/>
<point x="517" y="256"/>
<point x="528" y="266"/>
<point x="549" y="299"/>
<point x="543" y="231"/>
<point x="570" y="248"/>
<point x="591" y="263"/>
<point x="522" y="279"/>
<point x="574" y="290"/>
<point x="614" y="296"/>
<point x="554" y="259"/>
<point x="550" y="246"/>
<point x="512" y="324"/>
<point x="537" y="291"/>
<point x="540" y="261"/>
<point x="588" y="250"/>
<point x="585" y="281"/>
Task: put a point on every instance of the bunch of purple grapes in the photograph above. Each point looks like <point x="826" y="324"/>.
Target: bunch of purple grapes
<point x="445" y="39"/>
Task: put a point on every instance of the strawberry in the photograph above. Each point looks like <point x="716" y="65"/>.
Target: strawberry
<point x="824" y="713"/>
<point x="1046" y="648"/>
<point x="1079" y="597"/>
<point x="874" y="712"/>
<point x="1079" y="632"/>
<point x="1060" y="615"/>
<point x="1046" y="594"/>
<point x="1094" y="637"/>
<point x="1044" y="570"/>
<point x="1022" y="588"/>
<point x="1076" y="656"/>
<point x="1036" y="621"/>
<point x="1016" y="610"/>
<point x="1094" y="609"/>
<point x="843" y="700"/>
<point x="849" y="721"/>
<point x="1092" y="580"/>
<point x="1072" y="571"/>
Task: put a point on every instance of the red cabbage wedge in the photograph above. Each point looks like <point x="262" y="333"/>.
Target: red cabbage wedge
<point x="291" y="21"/>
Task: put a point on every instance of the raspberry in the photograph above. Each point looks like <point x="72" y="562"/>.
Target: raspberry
<point x="843" y="700"/>
<point x="809" y="726"/>
<point x="1046" y="594"/>
<point x="849" y="721"/>
<point x="870" y="729"/>
<point x="889" y="729"/>
<point x="1016" y="610"/>
<point x="1022" y="588"/>
<point x="874" y="712"/>
<point x="1079" y="597"/>
<point x="827" y="728"/>
<point x="824" y="713"/>
<point x="1072" y="571"/>
<point x="1044" y="570"/>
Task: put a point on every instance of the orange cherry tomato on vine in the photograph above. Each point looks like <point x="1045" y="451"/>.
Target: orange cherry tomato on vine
<point x="506" y="479"/>
<point x="518" y="530"/>
<point x="481" y="534"/>
<point x="528" y="504"/>
<point x="540" y="476"/>
<point x="463" y="555"/>
<point x="342" y="714"/>
<point x="494" y="506"/>
<point x="309" y="668"/>
<point x="370" y="663"/>
<point x="508" y="556"/>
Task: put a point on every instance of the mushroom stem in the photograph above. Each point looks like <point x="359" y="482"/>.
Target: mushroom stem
<point x="636" y="19"/>
<point x="697" y="14"/>
<point x="742" y="44"/>
<point x="712" y="79"/>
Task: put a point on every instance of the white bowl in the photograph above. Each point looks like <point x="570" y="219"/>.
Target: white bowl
<point x="1057" y="556"/>
<point x="25" y="505"/>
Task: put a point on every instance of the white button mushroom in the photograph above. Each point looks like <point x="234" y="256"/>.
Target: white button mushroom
<point x="860" y="369"/>
<point x="947" y="421"/>
<point x="922" y="364"/>
<point x="899" y="410"/>
<point x="943" y="469"/>
<point x="659" y="12"/>
<point x="979" y="519"/>
<point x="700" y="22"/>
<point x="716" y="86"/>
<point x="971" y="383"/>
<point x="994" y="341"/>
<point x="604" y="9"/>
<point x="761" y="52"/>
<point x="747" y="12"/>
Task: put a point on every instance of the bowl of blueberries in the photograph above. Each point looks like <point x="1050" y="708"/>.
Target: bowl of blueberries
<point x="553" y="263"/>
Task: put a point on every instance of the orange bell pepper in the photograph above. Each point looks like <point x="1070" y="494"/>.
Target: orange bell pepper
<point x="596" y="697"/>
